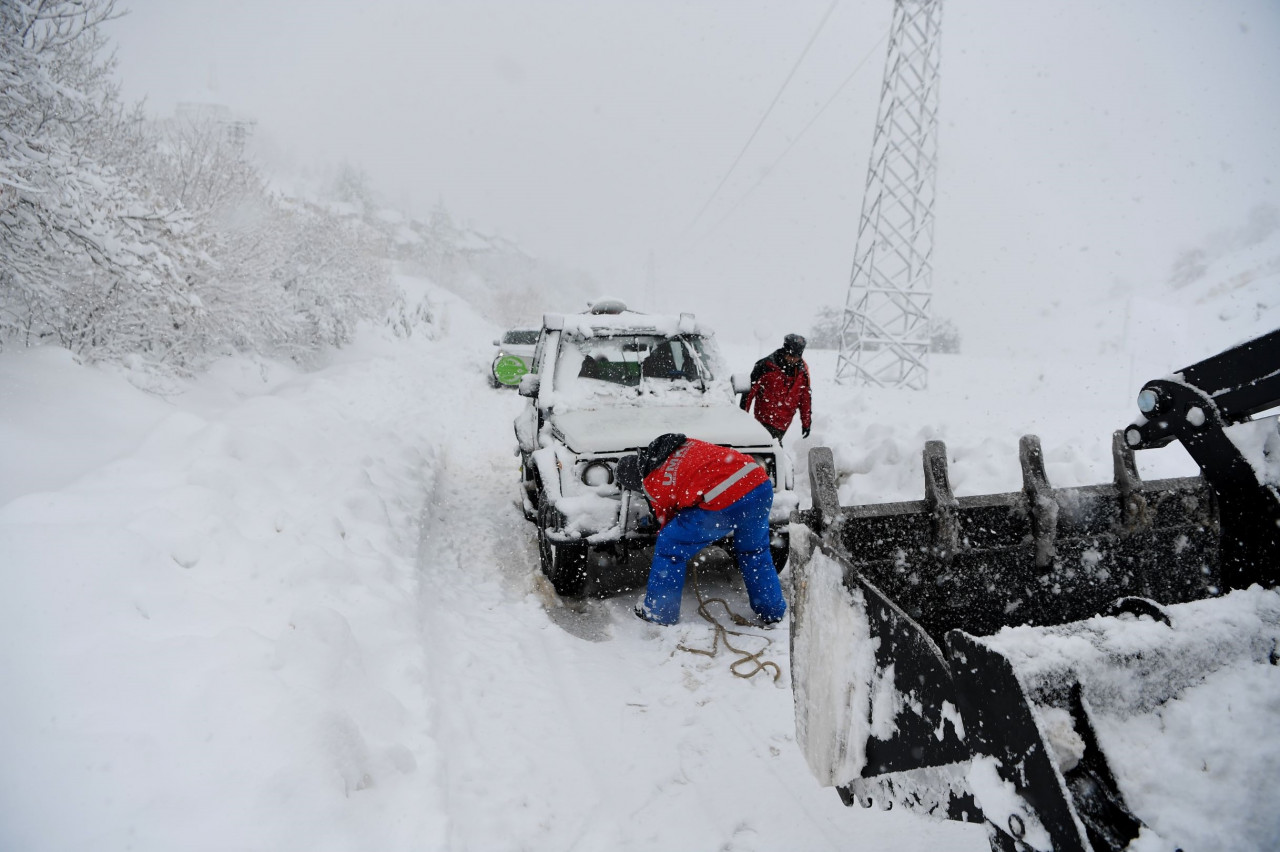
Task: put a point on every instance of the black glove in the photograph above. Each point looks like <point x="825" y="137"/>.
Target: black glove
<point x="804" y="433"/>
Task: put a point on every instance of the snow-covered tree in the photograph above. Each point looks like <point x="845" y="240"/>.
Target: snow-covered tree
<point x="944" y="336"/>
<point x="195" y="160"/>
<point x="352" y="186"/>
<point x="85" y="259"/>
<point x="274" y="275"/>
<point x="825" y="331"/>
<point x="123" y="236"/>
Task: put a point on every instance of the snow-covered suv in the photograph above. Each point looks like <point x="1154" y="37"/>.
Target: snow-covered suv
<point x="604" y="384"/>
<point x="513" y="353"/>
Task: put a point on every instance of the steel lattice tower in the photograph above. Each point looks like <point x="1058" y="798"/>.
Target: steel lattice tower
<point x="884" y="334"/>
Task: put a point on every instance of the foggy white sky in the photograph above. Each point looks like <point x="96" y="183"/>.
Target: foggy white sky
<point x="1083" y="144"/>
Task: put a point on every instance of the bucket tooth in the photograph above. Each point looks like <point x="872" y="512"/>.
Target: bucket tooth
<point x="942" y="503"/>
<point x="822" y="487"/>
<point x="1042" y="505"/>
<point x="1135" y="514"/>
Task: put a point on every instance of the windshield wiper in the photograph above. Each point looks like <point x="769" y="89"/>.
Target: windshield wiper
<point x="697" y="360"/>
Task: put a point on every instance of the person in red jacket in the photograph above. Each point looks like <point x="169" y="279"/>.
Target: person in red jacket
<point x="701" y="493"/>
<point x="780" y="387"/>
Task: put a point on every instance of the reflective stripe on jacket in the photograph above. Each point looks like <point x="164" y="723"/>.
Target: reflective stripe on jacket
<point x="701" y="474"/>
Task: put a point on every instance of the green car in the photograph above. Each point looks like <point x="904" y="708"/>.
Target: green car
<point x="514" y="355"/>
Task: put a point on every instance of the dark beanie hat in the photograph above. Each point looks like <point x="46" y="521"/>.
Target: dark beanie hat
<point x="793" y="344"/>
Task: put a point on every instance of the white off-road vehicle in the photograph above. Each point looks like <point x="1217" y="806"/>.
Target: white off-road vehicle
<point x="604" y="384"/>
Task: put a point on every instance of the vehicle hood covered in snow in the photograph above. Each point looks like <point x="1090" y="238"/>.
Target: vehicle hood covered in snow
<point x="623" y="428"/>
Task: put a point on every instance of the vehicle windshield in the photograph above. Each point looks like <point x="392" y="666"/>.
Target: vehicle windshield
<point x="521" y="337"/>
<point x="630" y="359"/>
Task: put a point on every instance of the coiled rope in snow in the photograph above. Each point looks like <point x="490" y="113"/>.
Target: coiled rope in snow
<point x="722" y="634"/>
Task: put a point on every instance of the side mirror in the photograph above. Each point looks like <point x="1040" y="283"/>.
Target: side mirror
<point x="741" y="382"/>
<point x="529" y="383"/>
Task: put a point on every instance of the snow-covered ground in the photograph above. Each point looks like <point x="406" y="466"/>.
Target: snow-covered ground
<point x="301" y="610"/>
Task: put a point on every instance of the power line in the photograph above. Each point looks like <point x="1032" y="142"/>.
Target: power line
<point x="768" y="172"/>
<point x="764" y="117"/>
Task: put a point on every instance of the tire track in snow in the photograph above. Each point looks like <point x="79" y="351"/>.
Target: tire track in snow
<point x="494" y="658"/>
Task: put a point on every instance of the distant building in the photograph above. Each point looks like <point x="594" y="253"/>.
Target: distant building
<point x="205" y="105"/>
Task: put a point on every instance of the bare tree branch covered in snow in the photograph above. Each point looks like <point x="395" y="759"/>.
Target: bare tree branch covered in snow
<point x="122" y="237"/>
<point x="272" y="275"/>
<point x="83" y="257"/>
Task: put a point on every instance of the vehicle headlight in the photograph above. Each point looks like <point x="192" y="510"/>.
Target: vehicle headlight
<point x="766" y="462"/>
<point x="597" y="473"/>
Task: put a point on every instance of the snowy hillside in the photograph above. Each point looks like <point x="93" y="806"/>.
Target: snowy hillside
<point x="287" y="610"/>
<point x="1225" y="290"/>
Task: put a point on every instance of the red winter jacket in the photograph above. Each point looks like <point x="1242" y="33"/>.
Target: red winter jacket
<point x="777" y="395"/>
<point x="700" y="474"/>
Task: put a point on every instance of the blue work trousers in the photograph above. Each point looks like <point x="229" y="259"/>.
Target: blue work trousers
<point x="693" y="529"/>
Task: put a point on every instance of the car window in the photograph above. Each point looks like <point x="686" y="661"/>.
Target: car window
<point x="628" y="359"/>
<point x="520" y="337"/>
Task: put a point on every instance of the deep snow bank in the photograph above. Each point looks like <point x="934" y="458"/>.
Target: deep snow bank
<point x="209" y="638"/>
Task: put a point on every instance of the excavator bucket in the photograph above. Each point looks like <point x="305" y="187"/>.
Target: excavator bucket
<point x="997" y="659"/>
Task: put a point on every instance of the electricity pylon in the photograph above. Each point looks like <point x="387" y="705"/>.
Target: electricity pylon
<point x="884" y="333"/>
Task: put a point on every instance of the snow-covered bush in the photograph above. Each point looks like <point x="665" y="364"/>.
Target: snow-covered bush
<point x="123" y="238"/>
<point x="825" y="332"/>
<point x="274" y="275"/>
<point x="944" y="337"/>
<point x="86" y="259"/>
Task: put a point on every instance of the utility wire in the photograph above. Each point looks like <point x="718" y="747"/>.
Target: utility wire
<point x="764" y="117"/>
<point x="768" y="172"/>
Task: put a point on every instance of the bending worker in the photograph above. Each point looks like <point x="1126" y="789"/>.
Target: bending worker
<point x="699" y="494"/>
<point x="780" y="387"/>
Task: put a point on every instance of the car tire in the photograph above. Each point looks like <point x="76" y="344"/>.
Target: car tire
<point x="565" y="564"/>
